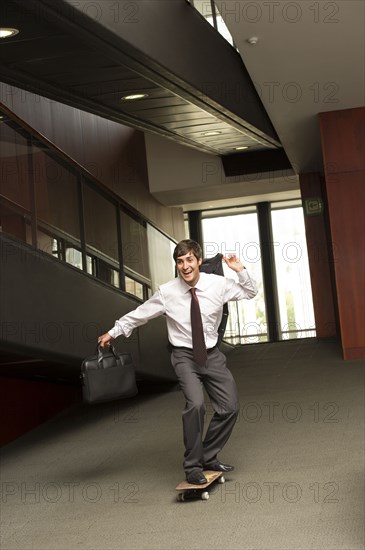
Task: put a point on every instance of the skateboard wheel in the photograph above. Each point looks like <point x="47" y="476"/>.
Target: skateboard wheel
<point x="205" y="495"/>
<point x="221" y="479"/>
<point x="180" y="497"/>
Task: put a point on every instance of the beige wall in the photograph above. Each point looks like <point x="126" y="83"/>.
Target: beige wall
<point x="183" y="175"/>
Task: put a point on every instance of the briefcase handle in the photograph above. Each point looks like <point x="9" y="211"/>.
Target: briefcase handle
<point x="101" y="356"/>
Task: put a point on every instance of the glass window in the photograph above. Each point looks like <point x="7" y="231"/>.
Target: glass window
<point x="115" y="278"/>
<point x="73" y="256"/>
<point x="134" y="245"/>
<point x="100" y="225"/>
<point x="134" y="287"/>
<point x="223" y="29"/>
<point x="292" y="273"/>
<point x="186" y="226"/>
<point x="239" y="234"/>
<point x="105" y="272"/>
<point x="14" y="165"/>
<point x="162" y="265"/>
<point x="49" y="244"/>
<point x="204" y="7"/>
<point x="90" y="265"/>
<point x="210" y="12"/>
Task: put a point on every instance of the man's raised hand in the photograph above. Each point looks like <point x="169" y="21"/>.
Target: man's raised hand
<point x="233" y="262"/>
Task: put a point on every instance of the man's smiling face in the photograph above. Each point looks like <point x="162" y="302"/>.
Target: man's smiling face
<point x="188" y="268"/>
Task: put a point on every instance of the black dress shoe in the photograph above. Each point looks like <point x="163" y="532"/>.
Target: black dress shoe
<point x="196" y="477"/>
<point x="219" y="467"/>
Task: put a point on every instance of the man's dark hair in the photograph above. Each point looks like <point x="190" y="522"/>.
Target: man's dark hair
<point x="186" y="246"/>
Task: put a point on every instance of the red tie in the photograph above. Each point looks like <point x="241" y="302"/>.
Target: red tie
<point x="199" y="349"/>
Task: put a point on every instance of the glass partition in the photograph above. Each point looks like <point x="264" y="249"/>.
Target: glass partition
<point x="40" y="204"/>
<point x="15" y="222"/>
<point x="162" y="264"/>
<point x="15" y="165"/>
<point x="57" y="207"/>
<point x="134" y="245"/>
<point x="135" y="255"/>
<point x="15" y="181"/>
<point x="56" y="195"/>
<point x="101" y="233"/>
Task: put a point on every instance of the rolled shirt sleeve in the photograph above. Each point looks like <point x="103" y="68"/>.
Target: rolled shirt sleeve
<point x="154" y="307"/>
<point x="244" y="288"/>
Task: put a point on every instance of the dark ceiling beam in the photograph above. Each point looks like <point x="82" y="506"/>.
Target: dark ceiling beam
<point x="256" y="162"/>
<point x="32" y="84"/>
<point x="174" y="47"/>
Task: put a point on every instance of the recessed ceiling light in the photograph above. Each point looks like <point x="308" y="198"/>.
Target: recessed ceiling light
<point x="241" y="148"/>
<point x="7" y="32"/>
<point x="132" y="97"/>
<point x="212" y="133"/>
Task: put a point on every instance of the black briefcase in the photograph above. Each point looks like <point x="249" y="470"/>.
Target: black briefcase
<point x="107" y="376"/>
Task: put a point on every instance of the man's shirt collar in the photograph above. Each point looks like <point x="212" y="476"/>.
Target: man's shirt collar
<point x="202" y="283"/>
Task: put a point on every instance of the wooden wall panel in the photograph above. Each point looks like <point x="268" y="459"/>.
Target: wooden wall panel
<point x="343" y="133"/>
<point x="113" y="153"/>
<point x="347" y="206"/>
<point x="320" y="263"/>
<point x="343" y="143"/>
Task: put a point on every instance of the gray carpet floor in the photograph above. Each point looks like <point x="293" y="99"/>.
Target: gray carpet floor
<point x="103" y="477"/>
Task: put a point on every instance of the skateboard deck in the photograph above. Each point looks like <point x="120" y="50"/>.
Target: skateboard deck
<point x="189" y="491"/>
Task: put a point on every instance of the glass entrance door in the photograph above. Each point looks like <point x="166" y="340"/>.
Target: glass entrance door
<point x="236" y="231"/>
<point x="292" y="273"/>
<point x="238" y="234"/>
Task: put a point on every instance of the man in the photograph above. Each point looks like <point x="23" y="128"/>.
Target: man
<point x="193" y="305"/>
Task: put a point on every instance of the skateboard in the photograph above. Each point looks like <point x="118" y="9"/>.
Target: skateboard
<point x="189" y="491"/>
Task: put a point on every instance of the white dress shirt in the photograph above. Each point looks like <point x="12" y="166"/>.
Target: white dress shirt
<point x="173" y="300"/>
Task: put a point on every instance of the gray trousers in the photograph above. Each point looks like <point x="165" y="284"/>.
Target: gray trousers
<point x="222" y="391"/>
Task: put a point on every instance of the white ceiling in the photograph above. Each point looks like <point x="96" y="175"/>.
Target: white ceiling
<point x="309" y="58"/>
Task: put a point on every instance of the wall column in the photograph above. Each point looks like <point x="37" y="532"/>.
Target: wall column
<point x="343" y="145"/>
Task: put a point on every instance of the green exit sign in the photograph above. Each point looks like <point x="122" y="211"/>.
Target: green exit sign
<point x="313" y="207"/>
